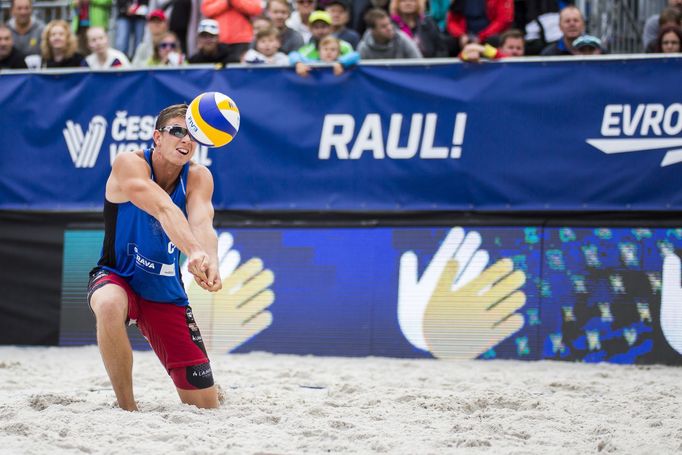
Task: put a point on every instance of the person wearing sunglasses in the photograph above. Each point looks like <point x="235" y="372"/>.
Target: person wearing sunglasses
<point x="167" y="52"/>
<point x="157" y="204"/>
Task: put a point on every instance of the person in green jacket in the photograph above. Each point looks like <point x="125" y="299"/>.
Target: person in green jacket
<point x="89" y="13"/>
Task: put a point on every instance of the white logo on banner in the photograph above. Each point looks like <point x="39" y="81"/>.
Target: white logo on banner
<point x="84" y="148"/>
<point x="339" y="138"/>
<point x="128" y="133"/>
<point x="662" y="122"/>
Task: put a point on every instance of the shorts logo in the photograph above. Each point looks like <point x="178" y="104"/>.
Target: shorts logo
<point x="84" y="149"/>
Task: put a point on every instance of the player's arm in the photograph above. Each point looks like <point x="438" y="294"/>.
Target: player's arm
<point x="200" y="215"/>
<point x="130" y="182"/>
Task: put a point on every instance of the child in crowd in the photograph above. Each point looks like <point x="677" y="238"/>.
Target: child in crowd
<point x="329" y="52"/>
<point x="267" y="49"/>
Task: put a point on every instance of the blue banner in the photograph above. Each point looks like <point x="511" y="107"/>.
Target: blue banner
<point x="525" y="293"/>
<point x="535" y="135"/>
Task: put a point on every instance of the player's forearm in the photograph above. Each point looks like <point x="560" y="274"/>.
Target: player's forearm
<point x="176" y="226"/>
<point x="207" y="238"/>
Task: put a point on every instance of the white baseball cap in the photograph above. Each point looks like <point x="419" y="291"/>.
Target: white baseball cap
<point x="209" y="26"/>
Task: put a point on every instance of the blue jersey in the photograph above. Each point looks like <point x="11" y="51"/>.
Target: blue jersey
<point x="137" y="248"/>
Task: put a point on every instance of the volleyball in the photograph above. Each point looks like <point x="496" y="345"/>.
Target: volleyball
<point x="212" y="119"/>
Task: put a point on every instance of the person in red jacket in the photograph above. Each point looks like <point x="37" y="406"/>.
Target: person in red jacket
<point x="478" y="21"/>
<point x="233" y="17"/>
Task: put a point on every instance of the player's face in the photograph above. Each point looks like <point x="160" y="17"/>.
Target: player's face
<point x="513" y="47"/>
<point x="177" y="150"/>
<point x="278" y="13"/>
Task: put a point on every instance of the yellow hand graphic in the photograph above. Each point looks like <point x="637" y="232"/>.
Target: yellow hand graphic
<point x="239" y="308"/>
<point x="466" y="322"/>
<point x="237" y="312"/>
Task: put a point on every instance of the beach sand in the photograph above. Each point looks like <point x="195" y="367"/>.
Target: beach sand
<point x="58" y="400"/>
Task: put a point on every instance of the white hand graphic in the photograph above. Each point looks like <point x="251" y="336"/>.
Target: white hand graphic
<point x="671" y="302"/>
<point x="414" y="294"/>
<point x="228" y="260"/>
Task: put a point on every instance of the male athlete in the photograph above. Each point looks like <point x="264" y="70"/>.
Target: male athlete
<point x="157" y="203"/>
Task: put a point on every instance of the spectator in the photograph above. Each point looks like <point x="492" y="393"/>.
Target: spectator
<point x="157" y="26"/>
<point x="438" y="11"/>
<point x="651" y="26"/>
<point x="339" y="12"/>
<point x="89" y="13"/>
<point x="59" y="47"/>
<point x="572" y="25"/>
<point x="540" y="18"/>
<point x="182" y="17"/>
<point x="234" y="20"/>
<point x="409" y="16"/>
<point x="27" y="31"/>
<point x="320" y="28"/>
<point x="167" y="52"/>
<point x="330" y="52"/>
<point x="360" y="10"/>
<point x="279" y="12"/>
<point x="209" y="48"/>
<point x="512" y="43"/>
<point x="103" y="56"/>
<point x="668" y="17"/>
<point x="383" y="41"/>
<point x="260" y="23"/>
<point x="587" y="45"/>
<point x="10" y="57"/>
<point x="130" y="23"/>
<point x="300" y="18"/>
<point x="267" y="45"/>
<point x="669" y="40"/>
<point x="478" y="21"/>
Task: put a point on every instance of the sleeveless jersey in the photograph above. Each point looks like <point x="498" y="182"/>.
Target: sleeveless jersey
<point x="137" y="248"/>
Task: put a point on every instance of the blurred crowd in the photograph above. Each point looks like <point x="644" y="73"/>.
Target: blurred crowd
<point x="151" y="33"/>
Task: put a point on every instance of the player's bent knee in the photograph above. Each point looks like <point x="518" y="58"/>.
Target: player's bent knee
<point x="193" y="377"/>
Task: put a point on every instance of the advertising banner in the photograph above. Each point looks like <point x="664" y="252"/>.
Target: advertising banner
<point x="528" y="136"/>
<point x="527" y="293"/>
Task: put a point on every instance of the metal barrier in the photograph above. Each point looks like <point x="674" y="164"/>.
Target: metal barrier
<point x="45" y="10"/>
<point x="619" y="23"/>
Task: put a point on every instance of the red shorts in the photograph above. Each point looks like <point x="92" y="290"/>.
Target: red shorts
<point x="170" y="329"/>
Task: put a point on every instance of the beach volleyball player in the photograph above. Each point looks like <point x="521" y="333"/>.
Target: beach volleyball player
<point x="157" y="203"/>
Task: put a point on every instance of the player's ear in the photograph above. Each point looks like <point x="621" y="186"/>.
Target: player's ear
<point x="156" y="137"/>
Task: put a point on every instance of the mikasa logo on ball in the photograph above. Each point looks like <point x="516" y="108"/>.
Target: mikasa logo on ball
<point x="84" y="148"/>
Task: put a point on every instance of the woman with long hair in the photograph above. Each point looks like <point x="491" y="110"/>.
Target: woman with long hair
<point x="167" y="51"/>
<point x="58" y="46"/>
<point x="410" y="17"/>
<point x="669" y="40"/>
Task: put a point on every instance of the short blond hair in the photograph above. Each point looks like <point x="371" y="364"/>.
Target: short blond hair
<point x="71" y="44"/>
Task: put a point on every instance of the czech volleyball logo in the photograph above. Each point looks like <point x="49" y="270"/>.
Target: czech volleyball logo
<point x="212" y="119"/>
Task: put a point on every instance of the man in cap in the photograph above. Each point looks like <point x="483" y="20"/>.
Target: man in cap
<point x="209" y="48"/>
<point x="157" y="25"/>
<point x="339" y="11"/>
<point x="320" y="23"/>
<point x="587" y="45"/>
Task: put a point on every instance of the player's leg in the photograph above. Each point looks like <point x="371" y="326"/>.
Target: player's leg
<point x="195" y="385"/>
<point x="110" y="305"/>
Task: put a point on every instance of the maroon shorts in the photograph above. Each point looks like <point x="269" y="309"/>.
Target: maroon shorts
<point x="170" y="329"/>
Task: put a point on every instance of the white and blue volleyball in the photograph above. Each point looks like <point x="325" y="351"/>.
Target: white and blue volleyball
<point x="212" y="119"/>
